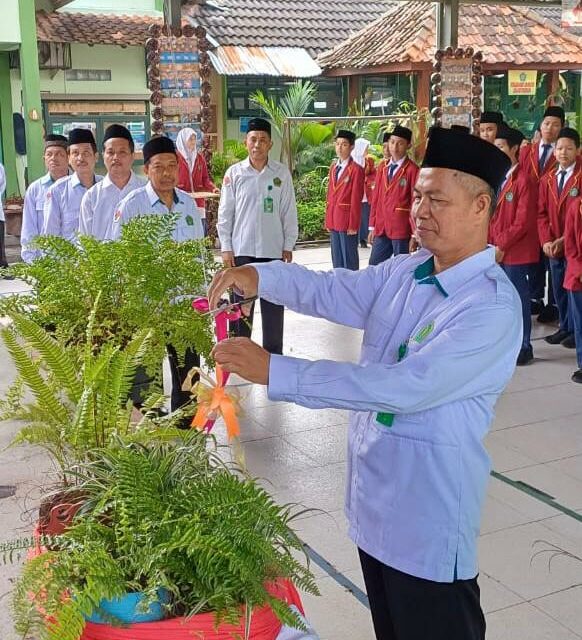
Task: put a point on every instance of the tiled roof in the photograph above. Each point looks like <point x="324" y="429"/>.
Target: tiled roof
<point x="315" y="25"/>
<point x="90" y="28"/>
<point x="502" y="33"/>
<point x="293" y="62"/>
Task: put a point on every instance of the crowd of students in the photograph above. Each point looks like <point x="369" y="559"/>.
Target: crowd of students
<point x="536" y="225"/>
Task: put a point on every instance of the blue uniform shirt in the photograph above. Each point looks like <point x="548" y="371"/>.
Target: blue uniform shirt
<point x="33" y="216"/>
<point x="145" y="200"/>
<point x="437" y="353"/>
<point x="63" y="205"/>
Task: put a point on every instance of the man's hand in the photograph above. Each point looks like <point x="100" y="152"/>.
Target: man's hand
<point x="352" y="232"/>
<point x="558" y="248"/>
<point x="371" y="237"/>
<point x="245" y="280"/>
<point x="547" y="249"/>
<point x="499" y="255"/>
<point x="228" y="258"/>
<point x="245" y="358"/>
<point x="287" y="256"/>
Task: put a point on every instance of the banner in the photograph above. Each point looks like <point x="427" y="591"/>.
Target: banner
<point x="522" y="83"/>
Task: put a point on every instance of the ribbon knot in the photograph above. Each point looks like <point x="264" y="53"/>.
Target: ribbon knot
<point x="214" y="401"/>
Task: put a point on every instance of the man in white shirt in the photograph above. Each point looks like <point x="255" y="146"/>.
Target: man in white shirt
<point x="56" y="162"/>
<point x="3" y="261"/>
<point x="160" y="196"/>
<point x="63" y="200"/>
<point x="257" y="222"/>
<point x="101" y="201"/>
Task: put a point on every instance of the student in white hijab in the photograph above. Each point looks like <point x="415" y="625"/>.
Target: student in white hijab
<point x="360" y="155"/>
<point x="192" y="170"/>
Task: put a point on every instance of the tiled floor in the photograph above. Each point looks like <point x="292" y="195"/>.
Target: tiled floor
<point x="536" y="439"/>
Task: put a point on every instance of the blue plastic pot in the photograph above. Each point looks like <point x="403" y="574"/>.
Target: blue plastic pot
<point x="125" y="609"/>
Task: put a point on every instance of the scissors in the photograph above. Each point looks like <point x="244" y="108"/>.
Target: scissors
<point x="225" y="305"/>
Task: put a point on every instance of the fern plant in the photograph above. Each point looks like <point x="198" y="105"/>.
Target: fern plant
<point x="145" y="281"/>
<point x="80" y="396"/>
<point x="163" y="515"/>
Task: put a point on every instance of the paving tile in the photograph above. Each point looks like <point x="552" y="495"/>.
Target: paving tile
<point x="564" y="607"/>
<point x="509" y="556"/>
<point x="525" y="622"/>
<point x="542" y="441"/>
<point x="494" y="595"/>
<point x="505" y="456"/>
<point x="569" y="466"/>
<point x="552" y="480"/>
<point x="336" y="614"/>
<point x="324" y="445"/>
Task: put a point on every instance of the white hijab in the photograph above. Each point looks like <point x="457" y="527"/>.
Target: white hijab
<point x="181" y="144"/>
<point x="359" y="151"/>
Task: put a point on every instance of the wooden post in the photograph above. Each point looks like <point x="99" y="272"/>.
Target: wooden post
<point x="354" y="90"/>
<point x="422" y="103"/>
<point x="553" y="81"/>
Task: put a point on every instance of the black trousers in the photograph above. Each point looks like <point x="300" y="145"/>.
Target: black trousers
<point x="271" y="314"/>
<point x="179" y="398"/>
<point x="408" y="608"/>
<point x="3" y="261"/>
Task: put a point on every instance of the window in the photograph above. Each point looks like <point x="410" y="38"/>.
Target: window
<point x="329" y="100"/>
<point x="381" y="95"/>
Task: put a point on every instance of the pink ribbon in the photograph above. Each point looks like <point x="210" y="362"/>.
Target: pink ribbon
<point x="221" y="321"/>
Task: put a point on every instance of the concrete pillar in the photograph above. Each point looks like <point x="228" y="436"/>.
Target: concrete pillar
<point x="7" y="127"/>
<point x="32" y="109"/>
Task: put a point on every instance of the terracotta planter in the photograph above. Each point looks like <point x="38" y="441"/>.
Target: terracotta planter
<point x="13" y="215"/>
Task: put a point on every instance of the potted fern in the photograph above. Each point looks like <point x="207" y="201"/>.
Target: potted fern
<point x="165" y="519"/>
<point x="80" y="401"/>
<point x="145" y="282"/>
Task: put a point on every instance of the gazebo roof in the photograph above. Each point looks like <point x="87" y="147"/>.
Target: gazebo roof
<point x="506" y="35"/>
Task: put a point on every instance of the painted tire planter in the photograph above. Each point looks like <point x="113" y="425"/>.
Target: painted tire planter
<point x="264" y="624"/>
<point x="127" y="610"/>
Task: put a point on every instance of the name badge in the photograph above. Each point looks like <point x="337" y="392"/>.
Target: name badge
<point x="574" y="192"/>
<point x="402" y="182"/>
<point x="509" y="196"/>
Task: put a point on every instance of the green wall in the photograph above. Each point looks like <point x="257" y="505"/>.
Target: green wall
<point x="9" y="24"/>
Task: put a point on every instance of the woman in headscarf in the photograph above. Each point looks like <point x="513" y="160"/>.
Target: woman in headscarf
<point x="360" y="155"/>
<point x="192" y="170"/>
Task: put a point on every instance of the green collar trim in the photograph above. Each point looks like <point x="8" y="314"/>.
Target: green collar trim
<point x="423" y="274"/>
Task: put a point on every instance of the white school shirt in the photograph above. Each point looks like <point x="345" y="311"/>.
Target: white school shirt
<point x="63" y="205"/>
<point x="244" y="225"/>
<point x="100" y="203"/>
<point x="33" y="216"/>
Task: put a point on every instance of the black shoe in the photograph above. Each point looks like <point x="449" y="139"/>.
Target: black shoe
<point x="549" y="314"/>
<point x="556" y="338"/>
<point x="537" y="306"/>
<point x="569" y="342"/>
<point x="363" y="244"/>
<point x="525" y="356"/>
<point x="577" y="376"/>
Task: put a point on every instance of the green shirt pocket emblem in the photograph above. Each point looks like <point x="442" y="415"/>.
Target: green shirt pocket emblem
<point x="190" y="221"/>
<point x="509" y="196"/>
<point x="277" y="182"/>
<point x="402" y="182"/>
<point x="424" y="333"/>
<point x="574" y="192"/>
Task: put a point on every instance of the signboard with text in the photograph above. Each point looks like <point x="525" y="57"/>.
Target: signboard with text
<point x="522" y="83"/>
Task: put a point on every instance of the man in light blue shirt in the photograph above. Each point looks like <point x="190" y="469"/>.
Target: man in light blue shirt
<point x="442" y="330"/>
<point x="102" y="200"/>
<point x="160" y="196"/>
<point x="63" y="200"/>
<point x="57" y="165"/>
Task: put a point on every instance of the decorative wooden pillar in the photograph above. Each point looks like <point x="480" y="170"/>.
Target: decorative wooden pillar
<point x="422" y="107"/>
<point x="354" y="91"/>
<point x="553" y="84"/>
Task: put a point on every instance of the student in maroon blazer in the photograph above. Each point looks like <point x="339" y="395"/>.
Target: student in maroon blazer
<point x="390" y="221"/>
<point x="559" y="191"/>
<point x="538" y="159"/>
<point x="513" y="230"/>
<point x="344" y="203"/>
<point x="573" y="277"/>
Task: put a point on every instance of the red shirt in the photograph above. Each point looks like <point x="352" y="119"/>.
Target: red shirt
<point x="392" y="203"/>
<point x="199" y="180"/>
<point x="344" y="198"/>
<point x="573" y="248"/>
<point x="369" y="178"/>
<point x="529" y="161"/>
<point x="513" y="227"/>
<point x="552" y="208"/>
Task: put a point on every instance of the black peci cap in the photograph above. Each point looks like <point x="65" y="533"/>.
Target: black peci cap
<point x="82" y="136"/>
<point x="259" y="124"/>
<point x="118" y="131"/>
<point x="350" y="136"/>
<point x="55" y="140"/>
<point x="568" y="132"/>
<point x="491" y="117"/>
<point x="555" y="112"/>
<point x="157" y="145"/>
<point x="514" y="137"/>
<point x="402" y="132"/>
<point x="460" y="151"/>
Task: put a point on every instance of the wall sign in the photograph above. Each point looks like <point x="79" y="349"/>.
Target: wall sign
<point x="457" y="85"/>
<point x="178" y="73"/>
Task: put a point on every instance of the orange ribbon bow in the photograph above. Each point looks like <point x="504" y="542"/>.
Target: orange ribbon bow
<point x="213" y="400"/>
